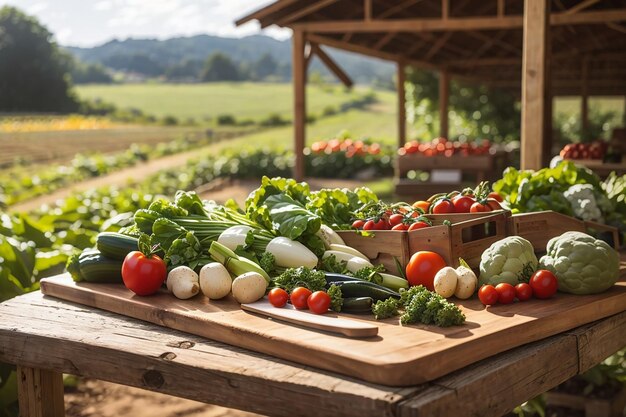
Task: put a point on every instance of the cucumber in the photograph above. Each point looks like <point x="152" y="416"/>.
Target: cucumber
<point x="357" y="305"/>
<point x="116" y="245"/>
<point x="365" y="289"/>
<point x="93" y="266"/>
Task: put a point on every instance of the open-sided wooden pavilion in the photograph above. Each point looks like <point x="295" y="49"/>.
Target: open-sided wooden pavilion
<point x="538" y="48"/>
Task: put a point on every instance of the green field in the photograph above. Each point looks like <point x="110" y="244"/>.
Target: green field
<point x="201" y="101"/>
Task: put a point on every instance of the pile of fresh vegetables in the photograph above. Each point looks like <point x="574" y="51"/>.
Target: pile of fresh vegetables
<point x="593" y="150"/>
<point x="445" y="147"/>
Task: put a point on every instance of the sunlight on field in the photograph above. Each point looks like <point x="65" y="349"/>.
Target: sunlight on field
<point x="53" y="124"/>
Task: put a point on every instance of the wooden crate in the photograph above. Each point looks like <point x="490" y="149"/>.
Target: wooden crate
<point x="540" y="227"/>
<point x="466" y="239"/>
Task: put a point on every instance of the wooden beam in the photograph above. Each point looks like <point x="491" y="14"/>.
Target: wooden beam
<point x="457" y="23"/>
<point x="581" y="6"/>
<point x="40" y="392"/>
<point x="299" y="102"/>
<point x="311" y="8"/>
<point x="501" y="10"/>
<point x="617" y="27"/>
<point x="384" y="40"/>
<point x="437" y="46"/>
<point x="264" y="11"/>
<point x="504" y="45"/>
<point x="534" y="82"/>
<point x="445" y="9"/>
<point x="398" y="8"/>
<point x="401" y="104"/>
<point x="331" y="65"/>
<point x="584" y="102"/>
<point x="444" y="97"/>
<point x="367" y="7"/>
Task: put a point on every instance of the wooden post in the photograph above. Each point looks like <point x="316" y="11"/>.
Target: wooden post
<point x="40" y="392"/>
<point x="444" y="96"/>
<point x="299" y="102"/>
<point x="401" y="104"/>
<point x="535" y="84"/>
<point x="584" y="102"/>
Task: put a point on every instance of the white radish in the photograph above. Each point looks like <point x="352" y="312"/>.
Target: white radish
<point x="290" y="253"/>
<point x="234" y="236"/>
<point x="348" y="249"/>
<point x="249" y="287"/>
<point x="329" y="236"/>
<point x="355" y="263"/>
<point x="182" y="281"/>
<point x="215" y="281"/>
<point x="445" y="281"/>
<point x="466" y="284"/>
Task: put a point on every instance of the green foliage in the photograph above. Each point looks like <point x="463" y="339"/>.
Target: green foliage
<point x="601" y="124"/>
<point x="226" y="120"/>
<point x="85" y="73"/>
<point x="33" y="72"/>
<point x="385" y="309"/>
<point x="301" y="277"/>
<point x="220" y="67"/>
<point x="336" y="297"/>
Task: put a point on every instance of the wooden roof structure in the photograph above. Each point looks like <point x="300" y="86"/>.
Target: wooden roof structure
<point x="537" y="48"/>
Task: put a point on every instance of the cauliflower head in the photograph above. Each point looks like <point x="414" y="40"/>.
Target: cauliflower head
<point x="511" y="260"/>
<point x="581" y="263"/>
<point x="583" y="201"/>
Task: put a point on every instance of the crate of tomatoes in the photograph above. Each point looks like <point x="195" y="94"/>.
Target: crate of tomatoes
<point x="461" y="224"/>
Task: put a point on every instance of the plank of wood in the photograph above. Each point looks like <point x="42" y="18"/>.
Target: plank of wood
<point x="399" y="355"/>
<point x="299" y="101"/>
<point x="328" y="322"/>
<point x="40" y="392"/>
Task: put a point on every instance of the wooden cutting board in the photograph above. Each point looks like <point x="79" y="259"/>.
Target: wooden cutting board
<point x="398" y="355"/>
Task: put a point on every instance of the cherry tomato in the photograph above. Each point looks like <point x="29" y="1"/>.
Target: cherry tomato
<point x="143" y="275"/>
<point x="395" y="219"/>
<point x="318" y="302"/>
<point x="488" y="295"/>
<point x="381" y="225"/>
<point x="368" y="225"/>
<point x="357" y="224"/>
<point x="495" y="196"/>
<point x="506" y="293"/>
<point x="479" y="208"/>
<point x="400" y="226"/>
<point x="418" y="225"/>
<point x="278" y="297"/>
<point x="422" y="268"/>
<point x="424" y="205"/>
<point x="462" y="203"/>
<point x="523" y="291"/>
<point x="299" y="297"/>
<point x="543" y="283"/>
<point x="443" y="206"/>
<point x="493" y="204"/>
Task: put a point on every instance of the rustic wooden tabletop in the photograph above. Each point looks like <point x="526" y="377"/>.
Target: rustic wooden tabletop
<point x="45" y="337"/>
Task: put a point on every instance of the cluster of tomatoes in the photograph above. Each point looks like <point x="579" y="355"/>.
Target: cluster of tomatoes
<point x="349" y="146"/>
<point x="445" y="147"/>
<point x="398" y="219"/>
<point x="543" y="284"/>
<point x="301" y="298"/>
<point x="594" y="150"/>
<point x="464" y="202"/>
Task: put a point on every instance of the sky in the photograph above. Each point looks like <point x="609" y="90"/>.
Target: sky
<point x="93" y="22"/>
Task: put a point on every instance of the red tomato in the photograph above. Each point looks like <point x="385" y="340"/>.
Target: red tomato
<point x="422" y="268"/>
<point x="143" y="275"/>
<point x="357" y="224"/>
<point x="523" y="291"/>
<point x="418" y="225"/>
<point x="443" y="206"/>
<point x="318" y="302"/>
<point x="400" y="226"/>
<point x="495" y="196"/>
<point x="299" y="297"/>
<point x="479" y="208"/>
<point x="395" y="219"/>
<point x="462" y="203"/>
<point x="506" y="293"/>
<point x="381" y="225"/>
<point x="368" y="225"/>
<point x="278" y="297"/>
<point x="493" y="204"/>
<point x="488" y="295"/>
<point x="544" y="284"/>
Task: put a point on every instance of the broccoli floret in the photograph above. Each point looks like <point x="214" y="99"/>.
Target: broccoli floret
<point x="423" y="306"/>
<point x="267" y="261"/>
<point x="301" y="277"/>
<point x="385" y="309"/>
<point x="336" y="298"/>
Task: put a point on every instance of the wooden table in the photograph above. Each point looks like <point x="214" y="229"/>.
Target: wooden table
<point x="45" y="337"/>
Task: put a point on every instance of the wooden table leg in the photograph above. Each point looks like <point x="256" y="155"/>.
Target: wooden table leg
<point x="40" y="392"/>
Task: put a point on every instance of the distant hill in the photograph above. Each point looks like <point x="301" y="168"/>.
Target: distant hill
<point x="157" y="55"/>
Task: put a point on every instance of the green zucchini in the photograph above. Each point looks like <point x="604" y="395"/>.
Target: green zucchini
<point x="116" y="245"/>
<point x="357" y="305"/>
<point x="365" y="289"/>
<point x="92" y="266"/>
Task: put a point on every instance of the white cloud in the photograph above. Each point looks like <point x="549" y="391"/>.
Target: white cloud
<point x="37" y="7"/>
<point x="103" y="5"/>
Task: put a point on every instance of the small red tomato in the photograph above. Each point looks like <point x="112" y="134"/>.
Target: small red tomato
<point x="368" y="225"/>
<point x="395" y="219"/>
<point x="493" y="204"/>
<point x="479" y="208"/>
<point x="443" y="206"/>
<point x="299" y="297"/>
<point x="544" y="284"/>
<point x="462" y="203"/>
<point x="488" y="295"/>
<point x="418" y="225"/>
<point x="523" y="291"/>
<point x="495" y="196"/>
<point x="381" y="225"/>
<point x="357" y="224"/>
<point x="143" y="275"/>
<point x="319" y="302"/>
<point x="278" y="297"/>
<point x="506" y="293"/>
<point x="400" y="226"/>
